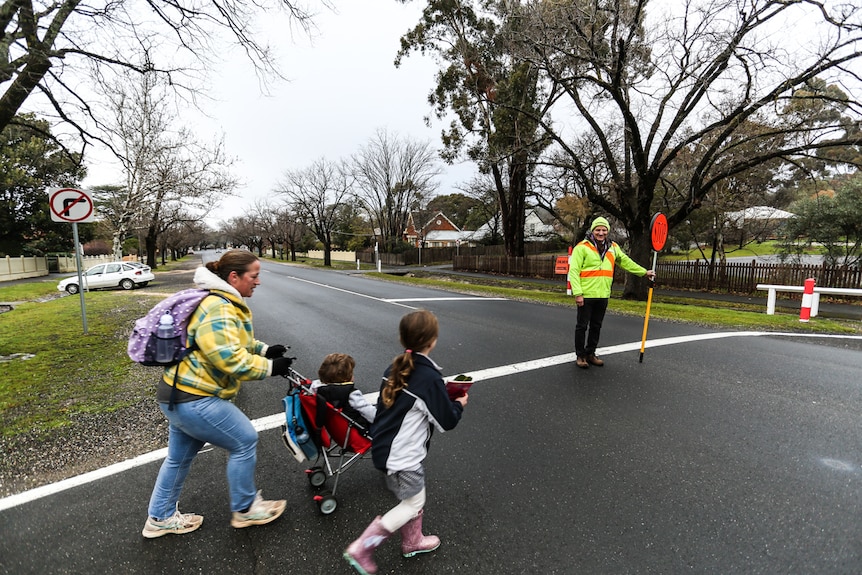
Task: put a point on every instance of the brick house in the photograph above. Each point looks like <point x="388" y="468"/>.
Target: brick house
<point x="437" y="231"/>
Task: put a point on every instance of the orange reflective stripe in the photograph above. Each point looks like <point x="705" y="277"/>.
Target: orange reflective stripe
<point x="597" y="273"/>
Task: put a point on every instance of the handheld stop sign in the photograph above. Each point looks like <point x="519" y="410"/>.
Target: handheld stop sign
<point x="658" y="232"/>
<point x="658" y="235"/>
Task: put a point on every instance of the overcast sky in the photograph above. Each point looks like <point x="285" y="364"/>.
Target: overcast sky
<point x="342" y="87"/>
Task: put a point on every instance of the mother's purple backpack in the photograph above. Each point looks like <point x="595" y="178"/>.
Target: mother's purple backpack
<point x="143" y="341"/>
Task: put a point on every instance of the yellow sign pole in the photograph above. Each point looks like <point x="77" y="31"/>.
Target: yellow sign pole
<point x="648" y="304"/>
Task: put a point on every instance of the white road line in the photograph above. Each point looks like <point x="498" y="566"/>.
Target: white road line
<point x="275" y="420"/>
<point x="505" y="370"/>
<point x="393" y="302"/>
<point x="464" y="298"/>
<point x="397" y="301"/>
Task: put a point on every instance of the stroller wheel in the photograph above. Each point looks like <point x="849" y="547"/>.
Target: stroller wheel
<point x="326" y="502"/>
<point x="316" y="477"/>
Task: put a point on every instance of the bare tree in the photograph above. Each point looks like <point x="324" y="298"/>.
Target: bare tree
<point x="488" y="217"/>
<point x="315" y="194"/>
<point x="392" y="174"/>
<point x="137" y="130"/>
<point x="46" y="48"/>
<point x="719" y="80"/>
<point x="170" y="177"/>
<point x="267" y="218"/>
<point x="178" y="238"/>
<point x="243" y="231"/>
<point x="291" y="230"/>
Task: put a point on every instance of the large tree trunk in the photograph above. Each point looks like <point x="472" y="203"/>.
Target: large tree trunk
<point x="640" y="250"/>
<point x="117" y="243"/>
<point x="150" y="240"/>
<point x="25" y="82"/>
<point x="512" y="208"/>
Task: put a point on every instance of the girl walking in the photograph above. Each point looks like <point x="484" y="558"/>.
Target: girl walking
<point x="413" y="401"/>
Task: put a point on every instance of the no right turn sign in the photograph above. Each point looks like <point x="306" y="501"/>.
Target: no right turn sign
<point x="70" y="205"/>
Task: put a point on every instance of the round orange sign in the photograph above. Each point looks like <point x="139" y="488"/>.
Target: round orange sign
<point x="658" y="231"/>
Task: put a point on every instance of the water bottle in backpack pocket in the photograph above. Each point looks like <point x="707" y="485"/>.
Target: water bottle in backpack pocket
<point x="167" y="342"/>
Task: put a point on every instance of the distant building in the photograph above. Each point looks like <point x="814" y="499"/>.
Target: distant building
<point x="758" y="222"/>
<point x="437" y="231"/>
<point x="539" y="225"/>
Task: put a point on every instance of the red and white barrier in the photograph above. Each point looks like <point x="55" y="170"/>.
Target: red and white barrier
<point x="807" y="300"/>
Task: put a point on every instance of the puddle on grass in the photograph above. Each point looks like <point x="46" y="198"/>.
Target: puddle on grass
<point x="14" y="356"/>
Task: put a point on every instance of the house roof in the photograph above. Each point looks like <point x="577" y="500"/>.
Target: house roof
<point x="543" y="214"/>
<point x="429" y="225"/>
<point x="758" y="213"/>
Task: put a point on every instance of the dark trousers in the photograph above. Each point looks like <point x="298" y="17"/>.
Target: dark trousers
<point x="589" y="325"/>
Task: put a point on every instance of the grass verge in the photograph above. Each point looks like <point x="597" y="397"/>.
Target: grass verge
<point x="52" y="371"/>
<point x="707" y="312"/>
<point x="750" y="250"/>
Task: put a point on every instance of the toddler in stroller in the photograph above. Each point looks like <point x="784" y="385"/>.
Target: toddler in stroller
<point x="336" y="387"/>
<point x="338" y="420"/>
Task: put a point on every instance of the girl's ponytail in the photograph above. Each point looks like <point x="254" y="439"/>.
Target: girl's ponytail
<point x="402" y="367"/>
<point x="418" y="330"/>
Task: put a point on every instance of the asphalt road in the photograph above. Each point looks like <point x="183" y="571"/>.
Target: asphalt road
<point x="720" y="453"/>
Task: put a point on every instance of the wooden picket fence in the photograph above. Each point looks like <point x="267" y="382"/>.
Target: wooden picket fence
<point x="734" y="277"/>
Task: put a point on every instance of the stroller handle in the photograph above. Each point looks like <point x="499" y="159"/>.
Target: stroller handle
<point x="297" y="382"/>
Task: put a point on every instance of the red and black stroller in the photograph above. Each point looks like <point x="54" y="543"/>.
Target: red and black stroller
<point x="323" y="435"/>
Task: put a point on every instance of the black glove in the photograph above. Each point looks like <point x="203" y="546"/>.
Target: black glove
<point x="281" y="365"/>
<point x="274" y="351"/>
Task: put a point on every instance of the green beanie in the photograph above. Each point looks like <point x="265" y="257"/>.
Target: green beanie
<point x="600" y="221"/>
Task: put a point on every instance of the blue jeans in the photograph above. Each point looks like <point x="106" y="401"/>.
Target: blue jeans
<point x="192" y="424"/>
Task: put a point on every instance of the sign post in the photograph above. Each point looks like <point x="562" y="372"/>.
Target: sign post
<point x="71" y="205"/>
<point x="658" y="235"/>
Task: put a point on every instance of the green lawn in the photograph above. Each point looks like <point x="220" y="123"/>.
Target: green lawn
<point x="767" y="248"/>
<point x="53" y="370"/>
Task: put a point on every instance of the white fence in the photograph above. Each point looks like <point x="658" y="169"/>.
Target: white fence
<point x="21" y="267"/>
<point x="67" y="264"/>
<point x="771" y="290"/>
<point x="337" y="256"/>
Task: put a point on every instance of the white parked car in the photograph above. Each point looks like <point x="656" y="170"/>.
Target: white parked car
<point x="116" y="274"/>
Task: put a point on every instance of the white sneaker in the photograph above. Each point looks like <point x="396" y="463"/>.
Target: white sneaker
<point x="261" y="512"/>
<point x="177" y="524"/>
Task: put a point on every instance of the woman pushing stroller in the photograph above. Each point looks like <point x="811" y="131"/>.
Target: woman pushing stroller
<point x="413" y="400"/>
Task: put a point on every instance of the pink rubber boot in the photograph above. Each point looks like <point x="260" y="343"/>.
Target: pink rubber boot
<point x="412" y="540"/>
<point x="360" y="553"/>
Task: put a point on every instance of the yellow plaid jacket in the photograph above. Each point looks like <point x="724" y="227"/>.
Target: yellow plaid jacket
<point x="225" y="352"/>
